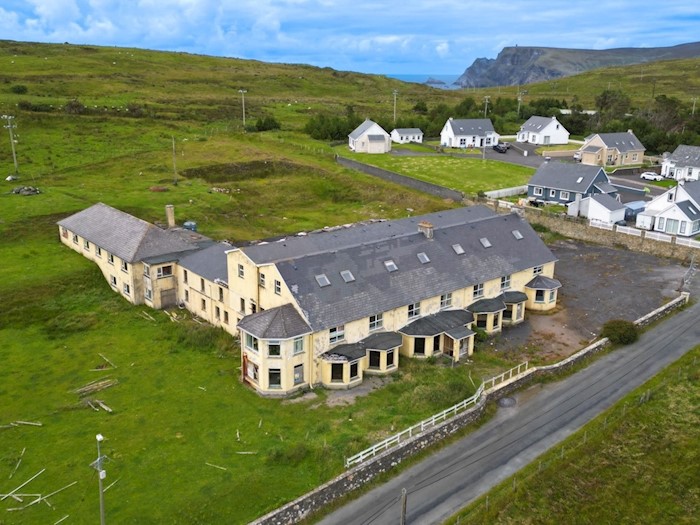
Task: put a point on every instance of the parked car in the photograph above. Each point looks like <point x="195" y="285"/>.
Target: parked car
<point x="650" y="175"/>
<point x="500" y="148"/>
<point x="506" y="144"/>
<point x="577" y="156"/>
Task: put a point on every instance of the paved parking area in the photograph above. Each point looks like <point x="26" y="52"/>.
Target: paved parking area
<point x="598" y="284"/>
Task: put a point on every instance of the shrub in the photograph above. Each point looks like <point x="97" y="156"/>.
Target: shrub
<point x="19" y="89"/>
<point x="620" y="331"/>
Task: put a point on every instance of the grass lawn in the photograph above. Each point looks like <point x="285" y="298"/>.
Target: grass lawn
<point x="636" y="463"/>
<point x="468" y="175"/>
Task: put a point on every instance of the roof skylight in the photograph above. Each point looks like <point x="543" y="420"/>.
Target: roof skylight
<point x="579" y="180"/>
<point x="423" y="258"/>
<point x="458" y="249"/>
<point x="390" y="265"/>
<point x="517" y="234"/>
<point x="322" y="280"/>
<point x="485" y="242"/>
<point x="347" y="276"/>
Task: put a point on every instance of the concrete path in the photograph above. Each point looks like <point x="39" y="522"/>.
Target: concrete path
<point x="543" y="416"/>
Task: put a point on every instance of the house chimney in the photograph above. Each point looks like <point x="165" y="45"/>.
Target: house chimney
<point x="170" y="215"/>
<point x="426" y="228"/>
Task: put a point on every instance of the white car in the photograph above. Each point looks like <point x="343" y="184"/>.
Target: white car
<point x="650" y="175"/>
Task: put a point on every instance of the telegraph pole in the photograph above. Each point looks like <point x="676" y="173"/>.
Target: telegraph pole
<point x="486" y="104"/>
<point x="395" y="92"/>
<point x="101" y="474"/>
<point x="692" y="113"/>
<point x="10" y="126"/>
<point x="174" y="164"/>
<point x="243" y="92"/>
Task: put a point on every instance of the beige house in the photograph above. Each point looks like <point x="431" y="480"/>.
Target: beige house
<point x="612" y="149"/>
<point x="369" y="137"/>
<point x="329" y="307"/>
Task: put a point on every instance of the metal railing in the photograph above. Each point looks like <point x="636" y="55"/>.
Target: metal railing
<point x="434" y="419"/>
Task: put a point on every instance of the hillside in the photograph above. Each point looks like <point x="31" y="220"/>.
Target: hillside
<point x="516" y="66"/>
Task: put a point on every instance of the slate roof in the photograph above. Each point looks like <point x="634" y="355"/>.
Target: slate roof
<point x="473" y="126"/>
<point x="606" y="187"/>
<point x="209" y="262"/>
<point x="512" y="297"/>
<point x="362" y="128"/>
<point x="608" y="202"/>
<point x="376" y="138"/>
<point x="130" y="238"/>
<point x="337" y="238"/>
<point x="624" y="142"/>
<point x="354" y="351"/>
<point x="375" y="289"/>
<point x="536" y="124"/>
<point x="693" y="190"/>
<point x="282" y="322"/>
<point x="541" y="282"/>
<point x="686" y="156"/>
<point x="408" y="131"/>
<point x="438" y="323"/>
<point x="564" y="176"/>
<point x="689" y="210"/>
<point x="487" y="306"/>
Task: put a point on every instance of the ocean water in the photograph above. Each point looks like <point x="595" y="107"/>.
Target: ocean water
<point x="420" y="79"/>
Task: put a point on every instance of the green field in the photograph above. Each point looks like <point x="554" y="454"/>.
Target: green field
<point x="636" y="463"/>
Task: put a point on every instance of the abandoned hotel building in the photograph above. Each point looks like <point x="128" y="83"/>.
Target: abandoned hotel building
<point x="327" y="307"/>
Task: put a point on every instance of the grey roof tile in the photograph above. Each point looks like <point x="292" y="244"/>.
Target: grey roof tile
<point x="209" y="262"/>
<point x="473" y="126"/>
<point x="282" y="322"/>
<point x="438" y="323"/>
<point x="362" y="128"/>
<point x="623" y="142"/>
<point x="408" y="131"/>
<point x="378" y="290"/>
<point x="541" y="282"/>
<point x="608" y="202"/>
<point x="686" y="156"/>
<point x="568" y="176"/>
<point x="128" y="237"/>
<point x="487" y="306"/>
<point x="354" y="351"/>
<point x="536" y="124"/>
<point x="513" y="297"/>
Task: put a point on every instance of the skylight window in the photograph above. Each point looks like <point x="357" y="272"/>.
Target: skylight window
<point x="579" y="180"/>
<point x="692" y="210"/>
<point x="485" y="242"/>
<point x="458" y="249"/>
<point x="390" y="265"/>
<point x="423" y="258"/>
<point x="347" y="276"/>
<point x="322" y="280"/>
<point x="517" y="234"/>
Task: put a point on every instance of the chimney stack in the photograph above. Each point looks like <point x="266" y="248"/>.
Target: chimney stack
<point x="170" y="215"/>
<point x="426" y="228"/>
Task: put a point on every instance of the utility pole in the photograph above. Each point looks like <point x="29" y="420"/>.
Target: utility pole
<point x="174" y="164"/>
<point x="395" y="92"/>
<point x="403" y="507"/>
<point x="101" y="475"/>
<point x="692" y="113"/>
<point x="10" y="126"/>
<point x="243" y="92"/>
<point x="486" y="104"/>
<point x="520" y="100"/>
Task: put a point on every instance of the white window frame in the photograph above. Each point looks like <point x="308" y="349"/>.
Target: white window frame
<point x="537" y="191"/>
<point x="125" y="267"/>
<point x="241" y="271"/>
<point x="478" y="290"/>
<point x="446" y="300"/>
<point x="148" y="294"/>
<point x="275" y="386"/>
<point x="252" y="343"/>
<point x="160" y="271"/>
<point x="564" y="195"/>
<point x="413" y="310"/>
<point x="277" y="346"/>
<point x="552" y="193"/>
<point x="261" y="280"/>
<point x="537" y="270"/>
<point x="298" y="345"/>
<point x="127" y="289"/>
<point x="505" y="282"/>
<point x="376" y="322"/>
<point x="299" y="374"/>
<point x="278" y="287"/>
<point x="336" y="334"/>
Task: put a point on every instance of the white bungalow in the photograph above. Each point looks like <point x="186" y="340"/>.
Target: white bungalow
<point x="406" y="135"/>
<point x="543" y="131"/>
<point x="468" y="133"/>
<point x="369" y="137"/>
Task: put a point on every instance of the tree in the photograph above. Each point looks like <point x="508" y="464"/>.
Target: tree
<point x="612" y="103"/>
<point x="421" y="107"/>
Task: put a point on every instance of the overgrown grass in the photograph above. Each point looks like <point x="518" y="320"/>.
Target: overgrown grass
<point x="638" y="462"/>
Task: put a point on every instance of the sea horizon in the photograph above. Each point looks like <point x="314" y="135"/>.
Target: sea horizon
<point x="423" y="77"/>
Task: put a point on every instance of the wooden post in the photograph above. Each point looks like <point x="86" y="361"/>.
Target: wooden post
<point x="403" y="506"/>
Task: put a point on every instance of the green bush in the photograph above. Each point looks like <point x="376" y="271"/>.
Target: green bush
<point x="620" y="331"/>
<point x="19" y="89"/>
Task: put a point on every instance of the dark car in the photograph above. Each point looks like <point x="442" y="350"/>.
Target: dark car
<point x="500" y="148"/>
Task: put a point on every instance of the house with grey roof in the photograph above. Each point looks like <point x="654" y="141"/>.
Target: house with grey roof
<point x="406" y="135"/>
<point x="137" y="258"/>
<point x="468" y="133"/>
<point x="612" y="149"/>
<point x="599" y="207"/>
<point x="542" y="131"/>
<point x="675" y="212"/>
<point x="369" y="137"/>
<point x="564" y="182"/>
<point x="682" y="164"/>
<point x="351" y="301"/>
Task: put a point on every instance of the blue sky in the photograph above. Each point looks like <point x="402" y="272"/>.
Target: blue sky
<point x="370" y="36"/>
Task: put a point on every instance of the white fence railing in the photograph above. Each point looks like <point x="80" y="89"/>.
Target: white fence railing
<point x="656" y="236"/>
<point x="629" y="231"/>
<point x="600" y="224"/>
<point x="681" y="241"/>
<point x="436" y="418"/>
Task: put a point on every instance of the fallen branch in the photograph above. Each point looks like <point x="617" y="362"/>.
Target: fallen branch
<point x="146" y="315"/>
<point x="246" y="452"/>
<point x="31" y="423"/>
<point x="215" y="466"/>
<point x="64" y="518"/>
<point x="108" y="361"/>
<point x="95" y="386"/>
<point x="22" y="485"/>
<point x="111" y="484"/>
<point x="93" y="406"/>
<point x="103" y="406"/>
<point x="18" y="462"/>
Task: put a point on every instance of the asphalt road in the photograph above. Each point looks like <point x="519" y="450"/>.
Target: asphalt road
<point x="543" y="416"/>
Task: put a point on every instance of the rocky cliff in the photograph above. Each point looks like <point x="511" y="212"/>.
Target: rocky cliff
<point x="523" y="65"/>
